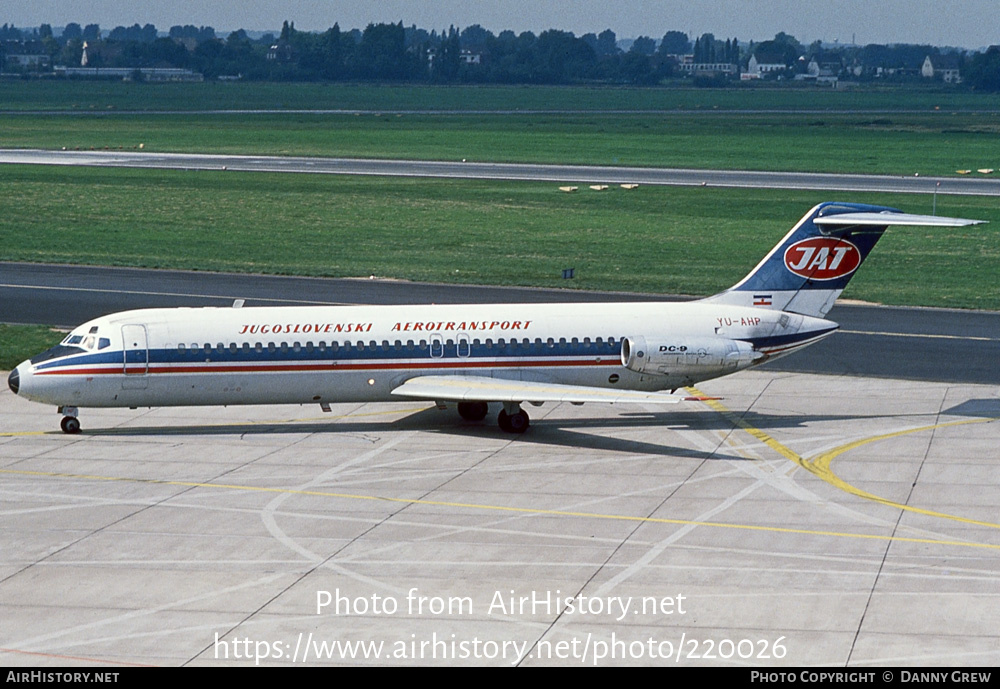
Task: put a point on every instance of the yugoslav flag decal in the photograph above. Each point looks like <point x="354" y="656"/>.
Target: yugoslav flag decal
<point x="822" y="258"/>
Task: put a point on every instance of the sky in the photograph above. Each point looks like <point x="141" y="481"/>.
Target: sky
<point x="963" y="23"/>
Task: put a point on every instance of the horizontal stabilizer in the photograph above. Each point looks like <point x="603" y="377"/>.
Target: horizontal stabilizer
<point x="812" y="264"/>
<point x="884" y="219"/>
<point x="483" y="389"/>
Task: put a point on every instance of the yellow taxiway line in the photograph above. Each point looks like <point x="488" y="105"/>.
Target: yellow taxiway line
<point x="820" y="464"/>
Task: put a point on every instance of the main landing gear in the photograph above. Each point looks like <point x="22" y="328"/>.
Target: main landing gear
<point x="69" y="424"/>
<point x="473" y="411"/>
<point x="512" y="418"/>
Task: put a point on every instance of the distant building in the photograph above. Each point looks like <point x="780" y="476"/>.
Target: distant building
<point x="281" y="51"/>
<point x="470" y="57"/>
<point x="947" y="68"/>
<point x="152" y="74"/>
<point x="707" y="69"/>
<point x="764" y="64"/>
<point x="820" y="73"/>
<point x="26" y="56"/>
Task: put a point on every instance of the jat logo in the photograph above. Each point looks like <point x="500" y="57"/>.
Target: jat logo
<point x="822" y="258"/>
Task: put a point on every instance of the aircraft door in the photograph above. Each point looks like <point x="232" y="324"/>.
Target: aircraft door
<point x="136" y="357"/>
<point x="464" y="347"/>
<point x="437" y="346"/>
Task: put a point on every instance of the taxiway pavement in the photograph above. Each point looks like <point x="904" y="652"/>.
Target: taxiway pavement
<point x="803" y="520"/>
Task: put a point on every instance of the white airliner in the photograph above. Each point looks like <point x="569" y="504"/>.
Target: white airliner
<point x="472" y="355"/>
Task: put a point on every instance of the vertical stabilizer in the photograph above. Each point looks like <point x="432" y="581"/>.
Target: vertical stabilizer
<point x="811" y="265"/>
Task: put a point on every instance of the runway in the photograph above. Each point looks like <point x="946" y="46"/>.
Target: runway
<point x="481" y="170"/>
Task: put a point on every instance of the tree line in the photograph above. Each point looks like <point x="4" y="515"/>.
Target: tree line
<point x="393" y="52"/>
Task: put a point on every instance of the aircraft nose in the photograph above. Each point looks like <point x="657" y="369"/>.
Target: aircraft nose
<point x="14" y="381"/>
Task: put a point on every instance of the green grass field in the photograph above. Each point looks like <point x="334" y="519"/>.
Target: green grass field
<point x="929" y="130"/>
<point x="18" y="342"/>
<point x="653" y="239"/>
<point x="103" y="96"/>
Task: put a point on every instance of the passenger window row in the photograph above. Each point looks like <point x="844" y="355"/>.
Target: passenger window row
<point x="323" y="347"/>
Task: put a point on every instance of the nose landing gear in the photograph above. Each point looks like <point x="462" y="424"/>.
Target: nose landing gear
<point x="69" y="424"/>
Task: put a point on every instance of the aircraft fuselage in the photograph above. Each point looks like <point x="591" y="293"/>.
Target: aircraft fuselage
<point x="274" y="355"/>
<point x="470" y="355"/>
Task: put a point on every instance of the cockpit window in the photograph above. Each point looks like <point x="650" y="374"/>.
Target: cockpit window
<point x="103" y="343"/>
<point x="73" y="340"/>
<point x="56" y="352"/>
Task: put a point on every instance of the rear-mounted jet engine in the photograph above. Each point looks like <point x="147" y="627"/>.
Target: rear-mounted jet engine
<point x="663" y="357"/>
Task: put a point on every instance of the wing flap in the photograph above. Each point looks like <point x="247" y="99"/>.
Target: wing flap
<point x="483" y="389"/>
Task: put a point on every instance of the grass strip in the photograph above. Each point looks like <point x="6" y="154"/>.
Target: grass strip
<point x="652" y="239"/>
<point x="18" y="342"/>
<point x="104" y="96"/>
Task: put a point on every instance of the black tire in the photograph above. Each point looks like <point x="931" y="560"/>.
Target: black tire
<point x="519" y="422"/>
<point x="70" y="425"/>
<point x="514" y="423"/>
<point x="473" y="411"/>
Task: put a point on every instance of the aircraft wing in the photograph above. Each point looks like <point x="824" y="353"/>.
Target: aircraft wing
<point x="483" y="389"/>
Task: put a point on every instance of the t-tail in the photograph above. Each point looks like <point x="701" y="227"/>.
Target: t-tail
<point x="811" y="266"/>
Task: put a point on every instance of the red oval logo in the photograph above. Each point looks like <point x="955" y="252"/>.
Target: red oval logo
<point x="822" y="258"/>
